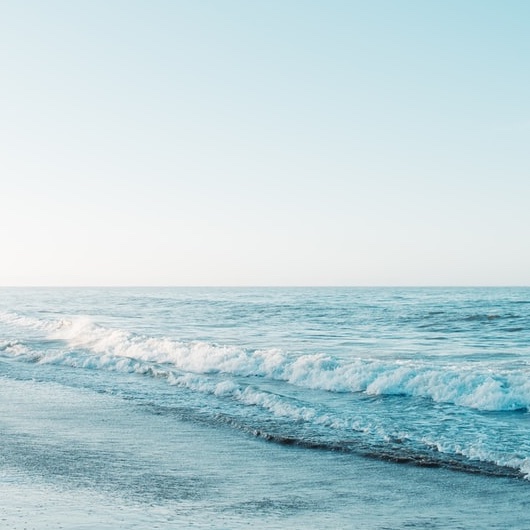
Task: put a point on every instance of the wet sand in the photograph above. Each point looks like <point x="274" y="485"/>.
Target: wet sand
<point x="75" y="459"/>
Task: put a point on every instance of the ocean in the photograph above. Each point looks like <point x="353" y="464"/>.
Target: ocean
<point x="268" y="407"/>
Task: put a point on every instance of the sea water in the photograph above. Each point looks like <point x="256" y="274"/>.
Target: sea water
<point x="270" y="407"/>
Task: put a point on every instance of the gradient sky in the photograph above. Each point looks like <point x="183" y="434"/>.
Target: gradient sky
<point x="277" y="142"/>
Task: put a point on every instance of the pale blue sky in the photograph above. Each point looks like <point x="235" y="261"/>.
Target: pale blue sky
<point x="265" y="142"/>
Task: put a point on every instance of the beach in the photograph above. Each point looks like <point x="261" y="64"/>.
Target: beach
<point x="89" y="461"/>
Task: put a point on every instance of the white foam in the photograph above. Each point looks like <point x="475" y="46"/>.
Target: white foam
<point x="191" y="364"/>
<point x="474" y="385"/>
<point x="478" y="450"/>
<point x="13" y="347"/>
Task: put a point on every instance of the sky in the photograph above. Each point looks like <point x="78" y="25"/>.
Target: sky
<point x="278" y="142"/>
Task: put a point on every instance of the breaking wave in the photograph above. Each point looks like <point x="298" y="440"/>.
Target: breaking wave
<point x="473" y="385"/>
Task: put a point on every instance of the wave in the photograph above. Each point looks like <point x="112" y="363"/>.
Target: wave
<point x="13" y="347"/>
<point x="241" y="377"/>
<point x="473" y="385"/>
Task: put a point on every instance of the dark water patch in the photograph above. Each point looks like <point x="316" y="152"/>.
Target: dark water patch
<point x="481" y="317"/>
<point x="286" y="505"/>
<point x="396" y="451"/>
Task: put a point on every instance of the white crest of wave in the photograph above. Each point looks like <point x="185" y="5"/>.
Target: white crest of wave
<point x="472" y="385"/>
<point x="13" y="347"/>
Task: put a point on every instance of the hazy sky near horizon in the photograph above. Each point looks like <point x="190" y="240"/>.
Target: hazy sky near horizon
<point x="278" y="142"/>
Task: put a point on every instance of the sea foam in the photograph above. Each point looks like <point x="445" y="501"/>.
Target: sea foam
<point x="474" y="384"/>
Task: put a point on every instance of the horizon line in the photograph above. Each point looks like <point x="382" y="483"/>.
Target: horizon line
<point x="267" y="286"/>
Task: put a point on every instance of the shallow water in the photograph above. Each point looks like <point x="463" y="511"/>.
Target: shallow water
<point x="76" y="459"/>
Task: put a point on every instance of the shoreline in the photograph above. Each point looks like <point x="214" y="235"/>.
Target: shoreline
<point x="75" y="459"/>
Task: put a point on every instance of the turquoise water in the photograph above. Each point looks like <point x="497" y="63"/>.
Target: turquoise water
<point x="310" y="396"/>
